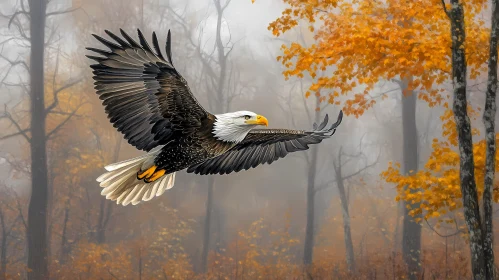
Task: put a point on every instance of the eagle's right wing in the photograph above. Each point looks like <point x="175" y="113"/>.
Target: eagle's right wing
<point x="145" y="98"/>
<point x="265" y="146"/>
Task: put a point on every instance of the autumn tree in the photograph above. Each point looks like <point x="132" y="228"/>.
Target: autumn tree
<point x="452" y="185"/>
<point x="360" y="46"/>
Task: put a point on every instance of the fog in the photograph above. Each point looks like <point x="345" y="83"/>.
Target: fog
<point x="259" y="219"/>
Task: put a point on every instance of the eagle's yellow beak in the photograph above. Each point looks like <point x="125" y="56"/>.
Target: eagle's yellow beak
<point x="260" y="120"/>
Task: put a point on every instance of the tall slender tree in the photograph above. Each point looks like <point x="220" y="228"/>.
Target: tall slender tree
<point x="36" y="15"/>
<point x="411" y="229"/>
<point x="489" y="116"/>
<point x="480" y="231"/>
<point x="308" y="249"/>
<point x="37" y="211"/>
<point x="470" y="167"/>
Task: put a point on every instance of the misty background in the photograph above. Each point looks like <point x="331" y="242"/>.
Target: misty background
<point x="262" y="210"/>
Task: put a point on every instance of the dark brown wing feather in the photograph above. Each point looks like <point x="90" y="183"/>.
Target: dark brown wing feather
<point x="145" y="98"/>
<point x="265" y="146"/>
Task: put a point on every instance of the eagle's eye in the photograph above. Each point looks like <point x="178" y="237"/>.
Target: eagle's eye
<point x="247" y="117"/>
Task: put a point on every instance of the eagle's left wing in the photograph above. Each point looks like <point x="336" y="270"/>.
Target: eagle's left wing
<point x="265" y="146"/>
<point x="145" y="97"/>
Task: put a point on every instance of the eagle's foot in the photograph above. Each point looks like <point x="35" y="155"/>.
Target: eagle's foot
<point x="146" y="173"/>
<point x="155" y="176"/>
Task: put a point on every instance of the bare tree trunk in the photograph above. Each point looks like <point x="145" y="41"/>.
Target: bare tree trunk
<point x="100" y="231"/>
<point x="3" y="249"/>
<point x="222" y="58"/>
<point x="396" y="230"/>
<point x="346" y="216"/>
<point x="106" y="208"/>
<point x="411" y="231"/>
<point x="489" y="115"/>
<point x="37" y="212"/>
<point x="308" y="250"/>
<point x="207" y="225"/>
<point x="140" y="263"/>
<point x="64" y="239"/>
<point x="50" y="196"/>
<point x="467" y="165"/>
<point x="105" y="211"/>
<point x="219" y="219"/>
<point x="222" y="61"/>
<point x="309" y="230"/>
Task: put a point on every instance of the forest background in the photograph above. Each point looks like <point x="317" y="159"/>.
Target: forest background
<point x="382" y="199"/>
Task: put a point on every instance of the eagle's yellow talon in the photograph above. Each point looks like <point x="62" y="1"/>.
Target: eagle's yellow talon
<point x="147" y="173"/>
<point x="155" y="176"/>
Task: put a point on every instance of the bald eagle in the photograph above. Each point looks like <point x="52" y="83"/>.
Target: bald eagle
<point x="150" y="103"/>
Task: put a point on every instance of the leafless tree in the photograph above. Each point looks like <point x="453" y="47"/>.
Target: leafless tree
<point x="12" y="223"/>
<point x="222" y="83"/>
<point x="341" y="161"/>
<point x="35" y="15"/>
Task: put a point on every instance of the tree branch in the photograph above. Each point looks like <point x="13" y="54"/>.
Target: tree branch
<point x="14" y="63"/>
<point x="329" y="184"/>
<point x="20" y="209"/>
<point x="14" y="20"/>
<point x="67" y="114"/>
<point x="7" y="40"/>
<point x="56" y="94"/>
<point x="62" y="12"/>
<point x="442" y="235"/>
<point x="13" y="16"/>
<point x="14" y="134"/>
<point x="362" y="169"/>
<point x="20" y="131"/>
<point x="226" y="5"/>
<point x="64" y="121"/>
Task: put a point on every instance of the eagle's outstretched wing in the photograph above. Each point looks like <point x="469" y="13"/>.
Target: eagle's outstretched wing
<point x="145" y="98"/>
<point x="265" y="146"/>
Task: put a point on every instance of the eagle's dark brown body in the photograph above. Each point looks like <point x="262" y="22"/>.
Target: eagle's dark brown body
<point x="185" y="150"/>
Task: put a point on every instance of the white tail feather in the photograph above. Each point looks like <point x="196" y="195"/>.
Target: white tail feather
<point x="168" y="184"/>
<point x="138" y="196"/>
<point x="120" y="183"/>
<point x="122" y="164"/>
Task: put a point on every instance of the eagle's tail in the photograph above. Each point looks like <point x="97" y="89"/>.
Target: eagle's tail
<point x="120" y="183"/>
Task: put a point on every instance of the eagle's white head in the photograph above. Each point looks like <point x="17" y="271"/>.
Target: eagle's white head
<point x="233" y="127"/>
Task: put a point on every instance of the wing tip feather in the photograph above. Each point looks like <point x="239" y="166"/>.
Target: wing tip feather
<point x="168" y="47"/>
<point x="338" y="121"/>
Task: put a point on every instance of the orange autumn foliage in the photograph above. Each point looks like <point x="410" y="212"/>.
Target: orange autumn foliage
<point x="93" y="261"/>
<point x="160" y="253"/>
<point x="437" y="186"/>
<point x="256" y="252"/>
<point x="364" y="42"/>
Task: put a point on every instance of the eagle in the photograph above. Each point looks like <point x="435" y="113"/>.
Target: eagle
<point x="150" y="103"/>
